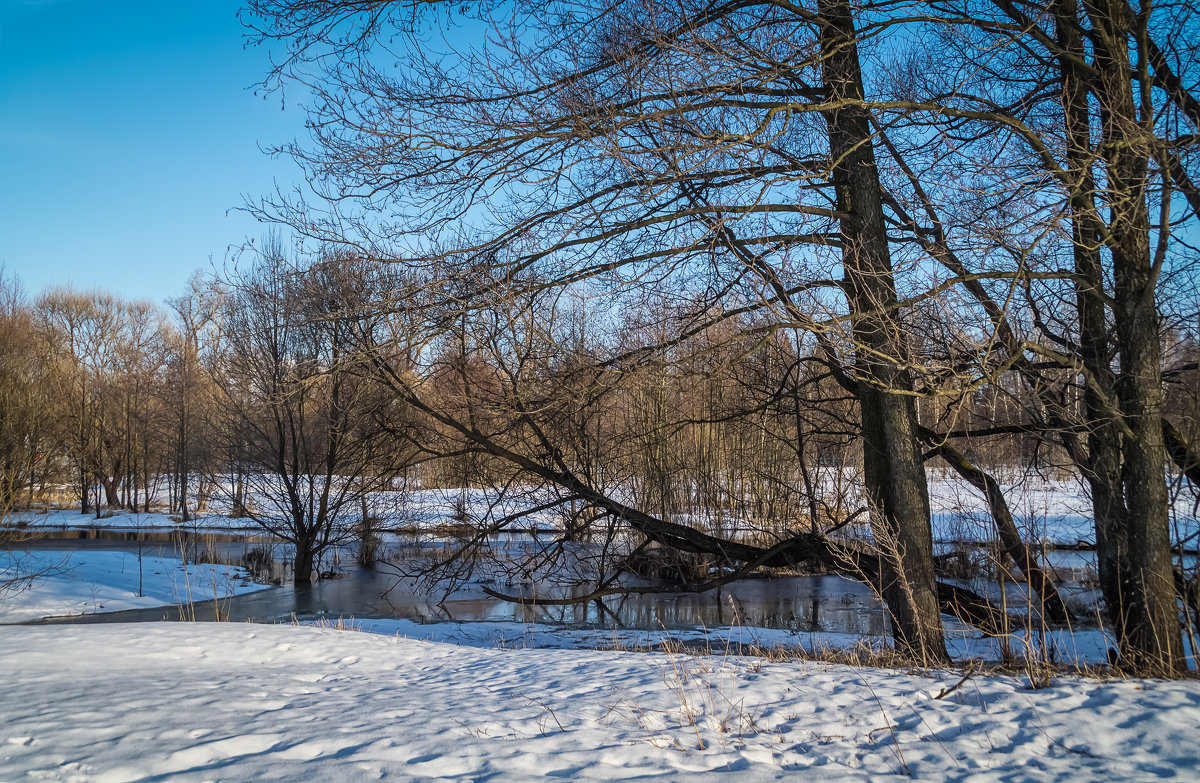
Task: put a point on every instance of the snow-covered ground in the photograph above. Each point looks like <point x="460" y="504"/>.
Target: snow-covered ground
<point x="84" y="582"/>
<point x="411" y="509"/>
<point x="127" y="521"/>
<point x="966" y="645"/>
<point x="1056" y="511"/>
<point x="232" y="702"/>
<point x="513" y="701"/>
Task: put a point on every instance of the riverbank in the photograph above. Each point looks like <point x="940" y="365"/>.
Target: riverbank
<point x="75" y="582"/>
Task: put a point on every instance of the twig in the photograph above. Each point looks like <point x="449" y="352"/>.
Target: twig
<point x="971" y="671"/>
<point x="887" y="724"/>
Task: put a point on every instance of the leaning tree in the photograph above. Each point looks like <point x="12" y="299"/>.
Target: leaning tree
<point x="723" y="159"/>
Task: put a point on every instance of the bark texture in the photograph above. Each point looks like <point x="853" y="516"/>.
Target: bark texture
<point x="1147" y="618"/>
<point x="893" y="467"/>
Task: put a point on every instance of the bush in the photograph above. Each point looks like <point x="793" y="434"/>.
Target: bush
<point x="260" y="563"/>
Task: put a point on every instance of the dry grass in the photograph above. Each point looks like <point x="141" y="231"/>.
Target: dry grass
<point x="1029" y="663"/>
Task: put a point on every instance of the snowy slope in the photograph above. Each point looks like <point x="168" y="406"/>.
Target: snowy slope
<point x="192" y="702"/>
<point x="83" y="582"/>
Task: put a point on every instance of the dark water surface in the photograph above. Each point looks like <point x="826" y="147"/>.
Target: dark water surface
<point x="798" y="603"/>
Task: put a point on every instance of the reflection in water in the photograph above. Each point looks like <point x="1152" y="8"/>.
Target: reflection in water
<point x="801" y="603"/>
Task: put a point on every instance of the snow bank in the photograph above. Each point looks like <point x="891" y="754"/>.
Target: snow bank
<point x="83" y="582"/>
<point x="1061" y="646"/>
<point x="71" y="519"/>
<point x="191" y="702"/>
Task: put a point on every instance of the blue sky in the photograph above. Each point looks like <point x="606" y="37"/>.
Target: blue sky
<point x="128" y="130"/>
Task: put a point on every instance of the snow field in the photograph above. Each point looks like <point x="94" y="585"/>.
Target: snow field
<point x="1056" y="511"/>
<point x="194" y="702"/>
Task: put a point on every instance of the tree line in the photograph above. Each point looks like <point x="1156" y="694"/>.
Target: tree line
<point x="235" y="394"/>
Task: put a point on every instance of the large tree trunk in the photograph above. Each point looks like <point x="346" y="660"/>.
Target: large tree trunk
<point x="304" y="561"/>
<point x="110" y="481"/>
<point x="1149" y="626"/>
<point x="112" y="495"/>
<point x="893" y="468"/>
<point x="1102" y="464"/>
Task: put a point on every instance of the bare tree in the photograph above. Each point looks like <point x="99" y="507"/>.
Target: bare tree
<point x="1095" y="129"/>
<point x="28" y="410"/>
<point x="106" y="348"/>
<point x="724" y="155"/>
<point x="654" y="147"/>
<point x="300" y="412"/>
